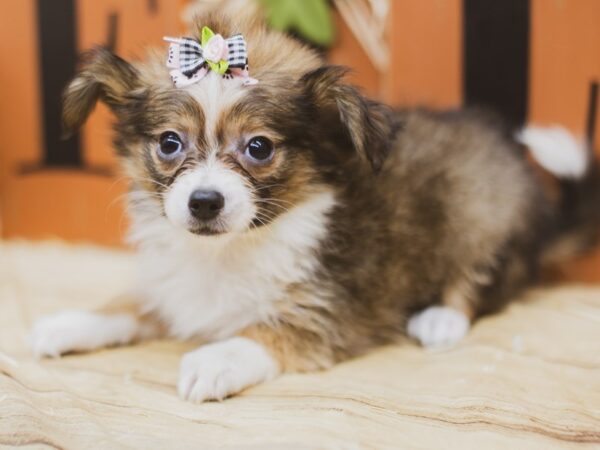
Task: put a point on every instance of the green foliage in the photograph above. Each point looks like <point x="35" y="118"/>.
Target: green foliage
<point x="311" y="19"/>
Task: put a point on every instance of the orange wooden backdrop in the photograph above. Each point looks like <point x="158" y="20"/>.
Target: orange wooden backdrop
<point x="65" y="203"/>
<point x="565" y="57"/>
<point x="425" y="38"/>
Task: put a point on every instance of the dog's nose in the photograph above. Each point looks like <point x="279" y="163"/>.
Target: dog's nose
<point x="206" y="205"/>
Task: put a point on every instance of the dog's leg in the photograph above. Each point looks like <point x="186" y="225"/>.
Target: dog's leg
<point x="445" y="324"/>
<point x="301" y="339"/>
<point x="480" y="291"/>
<point x="118" y="323"/>
<point x="258" y="354"/>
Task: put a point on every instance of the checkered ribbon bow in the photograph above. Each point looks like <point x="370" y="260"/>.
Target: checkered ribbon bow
<point x="191" y="60"/>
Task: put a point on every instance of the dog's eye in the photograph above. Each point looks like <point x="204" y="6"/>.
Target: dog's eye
<point x="169" y="145"/>
<point x="260" y="149"/>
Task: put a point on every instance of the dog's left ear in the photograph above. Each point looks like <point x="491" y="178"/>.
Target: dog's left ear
<point x="365" y="122"/>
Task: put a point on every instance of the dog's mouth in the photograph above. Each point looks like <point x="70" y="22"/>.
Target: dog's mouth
<point x="212" y="228"/>
<point x="205" y="231"/>
<point x="215" y="228"/>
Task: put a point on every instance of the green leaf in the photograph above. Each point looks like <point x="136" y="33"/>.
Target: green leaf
<point x="220" y="67"/>
<point x="207" y="33"/>
<point x="309" y="18"/>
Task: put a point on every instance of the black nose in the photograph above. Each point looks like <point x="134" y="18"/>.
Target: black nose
<point x="206" y="205"/>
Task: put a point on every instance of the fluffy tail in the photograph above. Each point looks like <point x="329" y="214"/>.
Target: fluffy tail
<point x="572" y="162"/>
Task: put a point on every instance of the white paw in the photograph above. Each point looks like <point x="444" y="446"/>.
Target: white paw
<point x="70" y="331"/>
<point x="218" y="370"/>
<point x="438" y="326"/>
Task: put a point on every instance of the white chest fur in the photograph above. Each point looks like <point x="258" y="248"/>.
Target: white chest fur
<point x="212" y="287"/>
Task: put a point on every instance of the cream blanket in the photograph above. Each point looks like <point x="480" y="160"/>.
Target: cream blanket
<point x="526" y="378"/>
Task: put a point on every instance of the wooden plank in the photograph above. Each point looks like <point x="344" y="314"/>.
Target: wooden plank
<point x="496" y="57"/>
<point x="426" y="53"/>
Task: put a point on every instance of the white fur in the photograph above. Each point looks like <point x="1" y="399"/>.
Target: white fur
<point x="215" y="371"/>
<point x="438" y="326"/>
<point x="556" y="150"/>
<point x="239" y="209"/>
<point x="213" y="286"/>
<point x="215" y="94"/>
<point x="69" y="331"/>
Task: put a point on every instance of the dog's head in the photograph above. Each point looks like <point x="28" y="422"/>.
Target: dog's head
<point x="219" y="156"/>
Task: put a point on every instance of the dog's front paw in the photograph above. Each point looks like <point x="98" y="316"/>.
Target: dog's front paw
<point x="71" y="331"/>
<point x="218" y="370"/>
<point x="438" y="326"/>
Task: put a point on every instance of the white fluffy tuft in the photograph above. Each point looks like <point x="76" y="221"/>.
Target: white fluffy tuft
<point x="556" y="150"/>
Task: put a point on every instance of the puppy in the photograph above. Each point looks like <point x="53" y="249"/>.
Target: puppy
<point x="292" y="223"/>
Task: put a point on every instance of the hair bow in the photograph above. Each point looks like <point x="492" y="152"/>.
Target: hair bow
<point x="191" y="60"/>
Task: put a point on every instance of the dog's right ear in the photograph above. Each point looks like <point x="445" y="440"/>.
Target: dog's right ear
<point x="103" y="76"/>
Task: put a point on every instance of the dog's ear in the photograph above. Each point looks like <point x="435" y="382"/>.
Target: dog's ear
<point x="103" y="76"/>
<point x="365" y="122"/>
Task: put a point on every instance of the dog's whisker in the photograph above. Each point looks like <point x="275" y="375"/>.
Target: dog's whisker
<point x="283" y="208"/>
<point x="268" y="186"/>
<point x="279" y="200"/>
<point x="158" y="183"/>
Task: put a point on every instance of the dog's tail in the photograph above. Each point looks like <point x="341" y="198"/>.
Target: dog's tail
<point x="572" y="162"/>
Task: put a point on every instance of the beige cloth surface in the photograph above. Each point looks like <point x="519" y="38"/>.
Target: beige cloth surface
<point x="526" y="378"/>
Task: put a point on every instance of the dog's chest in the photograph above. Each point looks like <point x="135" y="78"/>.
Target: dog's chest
<point x="212" y="291"/>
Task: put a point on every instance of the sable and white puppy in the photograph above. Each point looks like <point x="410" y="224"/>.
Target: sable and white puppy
<point x="292" y="224"/>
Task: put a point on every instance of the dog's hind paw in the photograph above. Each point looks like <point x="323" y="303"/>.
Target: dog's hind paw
<point x="438" y="326"/>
